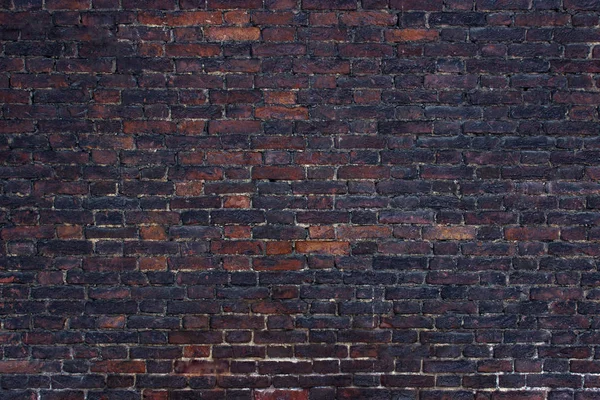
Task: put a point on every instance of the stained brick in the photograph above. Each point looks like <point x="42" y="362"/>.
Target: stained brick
<point x="411" y="35"/>
<point x="322" y="247"/>
<point x="232" y="33"/>
<point x="281" y="394"/>
<point x="449" y="233"/>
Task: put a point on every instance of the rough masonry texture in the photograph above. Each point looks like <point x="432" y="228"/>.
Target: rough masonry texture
<point x="299" y="199"/>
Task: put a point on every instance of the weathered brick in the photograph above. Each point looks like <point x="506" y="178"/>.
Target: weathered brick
<point x="410" y="5"/>
<point x="281" y="394"/>
<point x="322" y="247"/>
<point x="527" y="233"/>
<point x="278" y="173"/>
<point x="449" y="233"/>
<point x="360" y="18"/>
<point x="233" y="4"/>
<point x="21" y="367"/>
<point x="192" y="50"/>
<point x="333" y="5"/>
<point x="299" y="199"/>
<point x="280" y="112"/>
<point x="232" y="33"/>
<point x="363" y="232"/>
<point x="411" y="35"/>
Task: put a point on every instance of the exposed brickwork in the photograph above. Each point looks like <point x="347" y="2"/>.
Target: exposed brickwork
<point x="299" y="199"/>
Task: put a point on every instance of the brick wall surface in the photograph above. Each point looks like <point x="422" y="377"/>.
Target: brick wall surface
<point x="299" y="199"/>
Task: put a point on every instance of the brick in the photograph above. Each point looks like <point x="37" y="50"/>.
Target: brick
<point x="119" y="367"/>
<point x="200" y="367"/>
<point x="517" y="395"/>
<point x="233" y="158"/>
<point x="322" y="247"/>
<point x="411" y="35"/>
<point x="192" y="50"/>
<point x="363" y="232"/>
<point x="68" y="5"/>
<point x="502" y="5"/>
<point x="21" y="367"/>
<point x="267" y="50"/>
<point x="232" y="33"/>
<point x="239" y="127"/>
<point x="281" y="394"/>
<point x="148" y="127"/>
<point x="359" y="50"/>
<point x="237" y="247"/>
<point x="555" y="293"/>
<point x="364" y="172"/>
<point x="278" y="173"/>
<point x="333" y="5"/>
<point x="527" y="233"/>
<point x="276" y="97"/>
<point x="226" y="4"/>
<point x="278" y="264"/>
<point x="280" y="112"/>
<point x="321" y="66"/>
<point x="542" y="19"/>
<point x="449" y="233"/>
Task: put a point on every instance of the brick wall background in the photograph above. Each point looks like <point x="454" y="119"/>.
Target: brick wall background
<point x="376" y="199"/>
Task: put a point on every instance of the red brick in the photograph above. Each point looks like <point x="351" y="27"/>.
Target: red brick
<point x="229" y="4"/>
<point x="15" y="126"/>
<point x="28" y="232"/>
<point x="69" y="232"/>
<point x="449" y="233"/>
<point x="278" y="173"/>
<point x="237" y="202"/>
<point x="417" y="5"/>
<point x="281" y="394"/>
<point x="277" y="97"/>
<point x="198" y="367"/>
<point x="196" y="351"/>
<point x="153" y="233"/>
<point x="137" y="127"/>
<point x="67" y="4"/>
<point x="411" y="35"/>
<point x="21" y="367"/>
<point x="193" y="50"/>
<point x="119" y="367"/>
<point x="237" y="247"/>
<point x="321" y="232"/>
<point x="556" y="293"/>
<point x="363" y="232"/>
<point x="323" y="247"/>
<point x="232" y="33"/>
<point x="187" y="18"/>
<point x="280" y="112"/>
<point x="218" y="127"/>
<point x="278" y="264"/>
<point x="518" y="395"/>
<point x="278" y="248"/>
<point x="270" y="50"/>
<point x="363" y="172"/>
<point x="531" y="233"/>
<point x="362" y="18"/>
<point x="236" y="17"/>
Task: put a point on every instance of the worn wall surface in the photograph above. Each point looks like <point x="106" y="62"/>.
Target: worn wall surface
<point x="299" y="199"/>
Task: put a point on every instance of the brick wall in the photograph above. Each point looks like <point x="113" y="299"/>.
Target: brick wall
<point x="299" y="199"/>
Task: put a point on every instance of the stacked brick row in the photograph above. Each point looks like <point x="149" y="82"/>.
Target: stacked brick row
<point x="299" y="199"/>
